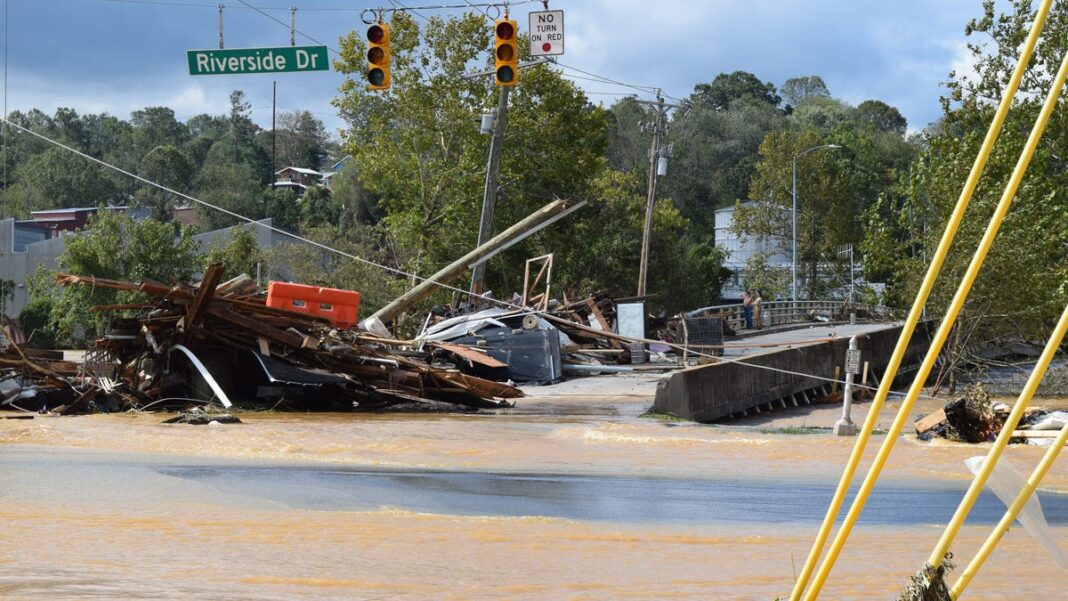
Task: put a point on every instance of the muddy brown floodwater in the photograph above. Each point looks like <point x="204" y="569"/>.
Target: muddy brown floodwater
<point x="570" y="496"/>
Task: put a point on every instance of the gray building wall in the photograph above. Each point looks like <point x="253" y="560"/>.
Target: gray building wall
<point x="16" y="265"/>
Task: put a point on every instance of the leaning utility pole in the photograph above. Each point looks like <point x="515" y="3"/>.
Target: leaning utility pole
<point x="489" y="192"/>
<point x="493" y="167"/>
<point x="655" y="155"/>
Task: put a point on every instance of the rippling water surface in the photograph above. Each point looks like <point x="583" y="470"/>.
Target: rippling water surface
<point x="568" y="498"/>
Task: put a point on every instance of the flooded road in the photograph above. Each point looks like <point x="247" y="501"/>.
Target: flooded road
<point x="573" y="496"/>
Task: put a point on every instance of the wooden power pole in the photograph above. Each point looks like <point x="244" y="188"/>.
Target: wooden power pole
<point x="489" y="192"/>
<point x="655" y="154"/>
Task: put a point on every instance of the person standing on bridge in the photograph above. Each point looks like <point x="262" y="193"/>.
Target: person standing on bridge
<point x="757" y="316"/>
<point x="747" y="309"/>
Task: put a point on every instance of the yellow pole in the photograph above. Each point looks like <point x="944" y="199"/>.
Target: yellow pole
<point x="994" y="454"/>
<point x="943" y="331"/>
<point x="921" y="299"/>
<point x="1010" y="516"/>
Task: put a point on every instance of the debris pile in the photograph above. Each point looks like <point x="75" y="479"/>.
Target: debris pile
<point x="547" y="341"/>
<point x="975" y="417"/>
<point x="220" y="343"/>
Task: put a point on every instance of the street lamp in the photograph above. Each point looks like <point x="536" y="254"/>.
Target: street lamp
<point x="793" y="218"/>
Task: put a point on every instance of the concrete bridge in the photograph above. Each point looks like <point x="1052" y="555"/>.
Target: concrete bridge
<point x="786" y="366"/>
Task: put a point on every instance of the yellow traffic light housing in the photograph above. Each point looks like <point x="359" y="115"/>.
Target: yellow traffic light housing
<point x="378" y="56"/>
<point x="506" y="51"/>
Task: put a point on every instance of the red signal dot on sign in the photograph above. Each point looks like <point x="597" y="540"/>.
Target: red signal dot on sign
<point x="546" y="47"/>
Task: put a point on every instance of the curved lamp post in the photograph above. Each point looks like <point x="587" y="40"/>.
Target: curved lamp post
<point x="793" y="218"/>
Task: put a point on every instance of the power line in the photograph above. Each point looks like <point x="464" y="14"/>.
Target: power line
<point x="396" y="3"/>
<point x="286" y="25"/>
<point x="648" y="89"/>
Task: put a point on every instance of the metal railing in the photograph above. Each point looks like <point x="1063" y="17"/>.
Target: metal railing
<point x="774" y="313"/>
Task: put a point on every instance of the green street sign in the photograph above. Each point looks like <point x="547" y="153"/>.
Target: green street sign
<point x="241" y="61"/>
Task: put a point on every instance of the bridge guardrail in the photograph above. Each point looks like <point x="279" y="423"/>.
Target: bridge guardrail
<point x="775" y="313"/>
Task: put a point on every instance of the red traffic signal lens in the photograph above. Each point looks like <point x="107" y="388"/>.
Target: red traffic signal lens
<point x="376" y="77"/>
<point x="505" y="52"/>
<point x="375" y="34"/>
<point x="505" y="31"/>
<point x="376" y="56"/>
<point x="506" y="74"/>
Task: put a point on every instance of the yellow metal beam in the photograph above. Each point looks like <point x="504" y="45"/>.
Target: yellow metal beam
<point x="995" y="452"/>
<point x="943" y="331"/>
<point x="921" y="299"/>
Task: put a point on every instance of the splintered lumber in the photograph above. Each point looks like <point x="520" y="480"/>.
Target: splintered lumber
<point x="933" y="420"/>
<point x="470" y="353"/>
<point x="498" y="243"/>
<point x="204" y="293"/>
<point x="374" y="372"/>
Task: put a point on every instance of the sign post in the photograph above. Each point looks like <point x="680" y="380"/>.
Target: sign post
<point x="244" y="61"/>
<point x="546" y="33"/>
<point x="845" y="426"/>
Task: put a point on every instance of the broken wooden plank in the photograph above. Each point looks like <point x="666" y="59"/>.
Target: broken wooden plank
<point x="205" y="292"/>
<point x="931" y="421"/>
<point x="470" y="353"/>
<point x="1036" y="433"/>
<point x="257" y="327"/>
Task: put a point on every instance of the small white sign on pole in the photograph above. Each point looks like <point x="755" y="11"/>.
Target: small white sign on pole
<point x="852" y="365"/>
<point x="546" y="33"/>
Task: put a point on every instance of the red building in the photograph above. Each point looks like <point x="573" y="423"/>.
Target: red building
<point x="64" y="220"/>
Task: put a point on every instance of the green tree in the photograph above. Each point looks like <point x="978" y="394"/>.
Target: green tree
<point x="301" y="140"/>
<point x="715" y="153"/>
<point x="318" y="208"/>
<point x="881" y="117"/>
<point x="796" y="90"/>
<point x="117" y="247"/>
<point x="420" y="156"/>
<point x="57" y="178"/>
<point x="231" y="187"/>
<point x="728" y="87"/>
<point x="240" y="255"/>
<point x="827" y="209"/>
<point x="1030" y="255"/>
<point x="168" y="166"/>
<point x="156" y="126"/>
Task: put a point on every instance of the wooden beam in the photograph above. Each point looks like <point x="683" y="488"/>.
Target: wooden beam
<point x="472" y="354"/>
<point x="484" y="252"/>
<point x="205" y="292"/>
<point x="257" y="327"/>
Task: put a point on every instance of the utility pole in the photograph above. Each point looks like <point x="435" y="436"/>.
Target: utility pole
<point x="655" y="157"/>
<point x="489" y="192"/>
<point x="493" y="167"/>
<point x="274" y="134"/>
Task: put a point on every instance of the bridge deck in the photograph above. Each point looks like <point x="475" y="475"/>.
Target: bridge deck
<point x="784" y="367"/>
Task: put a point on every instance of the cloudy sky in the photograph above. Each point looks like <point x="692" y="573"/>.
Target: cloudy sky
<point x="117" y="56"/>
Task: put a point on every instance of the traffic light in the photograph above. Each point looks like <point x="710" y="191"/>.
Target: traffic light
<point x="506" y="52"/>
<point x="378" y="56"/>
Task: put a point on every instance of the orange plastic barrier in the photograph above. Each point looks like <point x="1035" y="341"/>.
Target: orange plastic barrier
<point x="341" y="307"/>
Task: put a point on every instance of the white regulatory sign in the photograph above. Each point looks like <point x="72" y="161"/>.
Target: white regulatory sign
<point x="852" y="365"/>
<point x="546" y="33"/>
